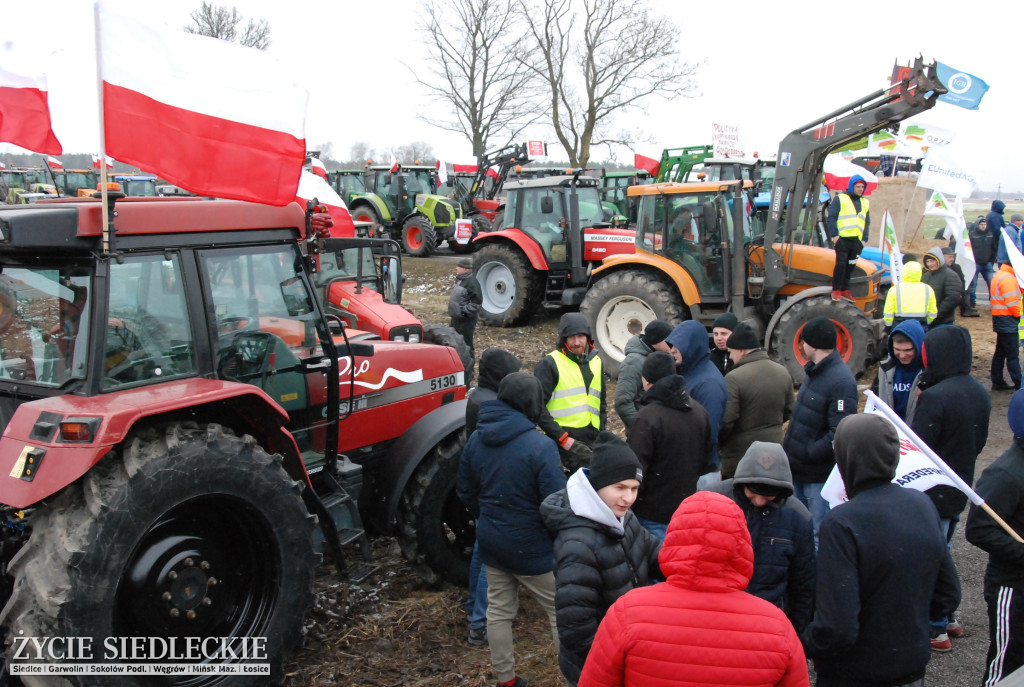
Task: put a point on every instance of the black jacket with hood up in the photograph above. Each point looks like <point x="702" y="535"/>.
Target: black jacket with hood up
<point x="947" y="286"/>
<point x="952" y="412"/>
<point x="883" y="569"/>
<point x="495" y="364"/>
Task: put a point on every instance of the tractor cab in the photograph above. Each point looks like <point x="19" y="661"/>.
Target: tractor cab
<point x="348" y="183"/>
<point x="540" y="208"/>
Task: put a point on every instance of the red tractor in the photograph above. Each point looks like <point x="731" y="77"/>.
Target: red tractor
<point x="184" y="427"/>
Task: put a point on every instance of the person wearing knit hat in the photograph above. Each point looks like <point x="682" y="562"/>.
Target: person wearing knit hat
<point x="601" y="551"/>
<point x="464" y="302"/>
<point x="1002" y="486"/>
<point x="721" y="329"/>
<point x="629" y="390"/>
<point x="780" y="530"/>
<point x="827" y="395"/>
<point x="760" y="398"/>
<point x="672" y="439"/>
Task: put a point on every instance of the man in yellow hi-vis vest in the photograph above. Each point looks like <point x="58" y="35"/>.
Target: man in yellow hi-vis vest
<point x="848" y="225"/>
<point x="574" y="385"/>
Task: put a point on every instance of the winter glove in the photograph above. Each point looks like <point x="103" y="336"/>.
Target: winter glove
<point x="578" y="456"/>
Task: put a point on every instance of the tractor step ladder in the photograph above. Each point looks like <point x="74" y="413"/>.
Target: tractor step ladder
<point x="338" y="502"/>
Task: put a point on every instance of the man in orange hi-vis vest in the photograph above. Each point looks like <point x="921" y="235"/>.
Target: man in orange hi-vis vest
<point x="1006" y="311"/>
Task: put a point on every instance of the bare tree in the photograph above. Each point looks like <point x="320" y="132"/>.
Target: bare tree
<point x="600" y="62"/>
<point x="217" y="21"/>
<point x="410" y="153"/>
<point x="359" y="153"/>
<point x="473" y="70"/>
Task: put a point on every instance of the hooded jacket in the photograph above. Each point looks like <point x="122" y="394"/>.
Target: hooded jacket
<point x="546" y="370"/>
<point x="598" y="558"/>
<point x="672" y="439"/>
<point x="495" y="364"/>
<point x="703" y="380"/>
<point x="916" y="300"/>
<point x="1001" y="485"/>
<point x="507" y="468"/>
<point x="781" y="533"/>
<point x="832" y="217"/>
<point x="629" y="388"/>
<point x="897" y="384"/>
<point x="996" y="222"/>
<point x="700" y="623"/>
<point x="828" y="394"/>
<point x="883" y="568"/>
<point x="760" y="401"/>
<point x="947" y="286"/>
<point x="952" y="412"/>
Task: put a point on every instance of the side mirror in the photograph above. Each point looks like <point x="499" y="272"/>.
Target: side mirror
<point x="710" y="214"/>
<point x="391" y="278"/>
<point x="547" y="205"/>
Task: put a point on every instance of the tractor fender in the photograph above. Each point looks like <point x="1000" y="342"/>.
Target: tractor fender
<point x="374" y="201"/>
<point x="656" y="264"/>
<point x="789" y="303"/>
<point x="408" y="452"/>
<point x="32" y="437"/>
<point x="526" y="244"/>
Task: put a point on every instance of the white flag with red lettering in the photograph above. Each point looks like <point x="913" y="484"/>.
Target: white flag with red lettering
<point x="212" y="117"/>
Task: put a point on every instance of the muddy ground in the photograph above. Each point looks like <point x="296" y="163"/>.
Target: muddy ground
<point x="393" y="630"/>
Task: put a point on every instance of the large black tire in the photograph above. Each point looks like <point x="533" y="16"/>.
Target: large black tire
<point x="419" y="238"/>
<point x="435" y="531"/>
<point x="512" y="289"/>
<point x="853" y="334"/>
<point x="619" y="306"/>
<point x="480" y="223"/>
<point x="442" y="335"/>
<point x="367" y="213"/>
<point x="191" y="520"/>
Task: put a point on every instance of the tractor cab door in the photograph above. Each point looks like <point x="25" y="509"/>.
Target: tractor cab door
<point x="267" y="332"/>
<point x="542" y="213"/>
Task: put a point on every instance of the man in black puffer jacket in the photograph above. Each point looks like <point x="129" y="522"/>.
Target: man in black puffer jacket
<point x="601" y="551"/>
<point x="947" y="286"/>
<point x="828" y="394"/>
<point x="952" y="418"/>
<point x="780" y="531"/>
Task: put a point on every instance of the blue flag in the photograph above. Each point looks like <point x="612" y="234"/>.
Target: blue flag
<point x="965" y="90"/>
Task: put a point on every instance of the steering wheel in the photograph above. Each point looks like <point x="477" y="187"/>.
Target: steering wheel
<point x="230" y="325"/>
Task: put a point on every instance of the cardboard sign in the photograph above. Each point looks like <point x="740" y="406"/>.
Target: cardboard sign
<point x="463" y="231"/>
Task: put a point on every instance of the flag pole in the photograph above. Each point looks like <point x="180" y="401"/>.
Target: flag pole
<point x="880" y="406"/>
<point x="906" y="218"/>
<point x="105" y="210"/>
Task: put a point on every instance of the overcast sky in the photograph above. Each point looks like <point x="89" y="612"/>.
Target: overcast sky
<point x="769" y="68"/>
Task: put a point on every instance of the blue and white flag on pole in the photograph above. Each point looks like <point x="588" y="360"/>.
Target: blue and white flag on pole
<point x="965" y="90"/>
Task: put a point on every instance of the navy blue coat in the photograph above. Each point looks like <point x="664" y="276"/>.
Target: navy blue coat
<point x="828" y="394"/>
<point x="507" y="469"/>
<point x="704" y="380"/>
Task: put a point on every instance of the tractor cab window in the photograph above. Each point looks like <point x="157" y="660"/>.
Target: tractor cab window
<point x="591" y="210"/>
<point x="542" y="217"/>
<point x="148" y="335"/>
<point x="419" y="181"/>
<point x="689" y="229"/>
<point x="265" y="326"/>
<point x="44" y="315"/>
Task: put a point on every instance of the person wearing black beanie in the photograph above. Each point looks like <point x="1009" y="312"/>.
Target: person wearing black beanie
<point x="629" y="390"/>
<point x="657" y="366"/>
<point x="819" y="333"/>
<point x="721" y="329"/>
<point x="601" y="550"/>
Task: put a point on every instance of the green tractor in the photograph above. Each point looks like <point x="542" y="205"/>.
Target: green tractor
<point x="348" y="183"/>
<point x="403" y="200"/>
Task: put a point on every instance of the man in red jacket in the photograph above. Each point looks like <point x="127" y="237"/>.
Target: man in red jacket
<point x="699" y="626"/>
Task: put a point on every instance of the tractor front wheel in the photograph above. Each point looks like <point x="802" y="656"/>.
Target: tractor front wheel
<point x="512" y="289"/>
<point x="366" y="213"/>
<point x="853" y="334"/>
<point x="190" y="532"/>
<point x="419" y="238"/>
<point x="619" y="306"/>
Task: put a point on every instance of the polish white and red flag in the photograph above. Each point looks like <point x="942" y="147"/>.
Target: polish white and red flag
<point x="319" y="168"/>
<point x="24" y="102"/>
<point x="96" y="160"/>
<point x="648" y="164"/>
<point x="212" y="117"/>
<point x="54" y="163"/>
<point x="442" y="173"/>
<point x="313" y="187"/>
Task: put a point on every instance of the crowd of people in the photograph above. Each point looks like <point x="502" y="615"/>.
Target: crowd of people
<point x="701" y="544"/>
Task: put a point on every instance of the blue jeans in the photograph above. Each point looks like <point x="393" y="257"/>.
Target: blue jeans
<point x="476" y="604"/>
<point x="985" y="271"/>
<point x="947" y="526"/>
<point x="809" y="494"/>
<point x="658" y="529"/>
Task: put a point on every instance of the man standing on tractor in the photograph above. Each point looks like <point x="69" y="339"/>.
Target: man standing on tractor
<point x="848" y="226"/>
<point x="574" y="387"/>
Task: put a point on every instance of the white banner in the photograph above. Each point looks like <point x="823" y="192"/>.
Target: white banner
<point x="941" y="171"/>
<point x="727" y="140"/>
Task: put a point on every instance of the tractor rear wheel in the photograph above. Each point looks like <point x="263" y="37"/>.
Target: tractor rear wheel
<point x="442" y="335"/>
<point x="435" y="531"/>
<point x="419" y="238"/>
<point x="190" y="532"/>
<point x="619" y="306"/>
<point x="366" y="213"/>
<point x="512" y="289"/>
<point x="853" y="334"/>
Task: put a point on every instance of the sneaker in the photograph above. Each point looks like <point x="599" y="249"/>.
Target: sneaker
<point x="848" y="296"/>
<point x="954" y="629"/>
<point x="837" y="295"/>
<point x="518" y="682"/>
<point x="477" y="636"/>
<point x="941" y="643"/>
<point x="1001" y="385"/>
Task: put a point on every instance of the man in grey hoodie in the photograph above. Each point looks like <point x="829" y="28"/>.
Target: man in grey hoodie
<point x="945" y="284"/>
